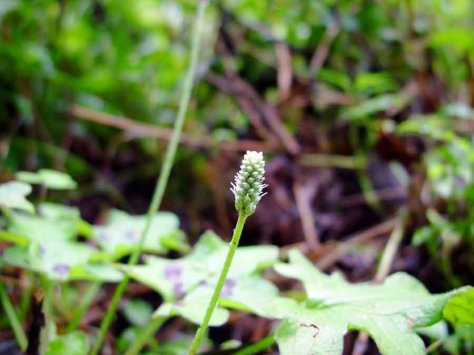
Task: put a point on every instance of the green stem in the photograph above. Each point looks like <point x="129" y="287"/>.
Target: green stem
<point x="18" y="331"/>
<point x="48" y="332"/>
<point x="257" y="347"/>
<point x="26" y="294"/>
<point x="145" y="335"/>
<point x="164" y="174"/>
<point x="220" y="283"/>
<point x="84" y="304"/>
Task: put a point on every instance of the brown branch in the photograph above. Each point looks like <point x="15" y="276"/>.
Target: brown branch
<point x="350" y="242"/>
<point x="285" y="71"/>
<point x="140" y="129"/>
<point x="306" y="216"/>
<point x="257" y="109"/>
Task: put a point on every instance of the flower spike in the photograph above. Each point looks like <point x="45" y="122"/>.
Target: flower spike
<point x="248" y="183"/>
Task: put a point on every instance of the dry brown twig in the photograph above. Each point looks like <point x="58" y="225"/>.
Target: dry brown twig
<point x="306" y="215"/>
<point x="139" y="129"/>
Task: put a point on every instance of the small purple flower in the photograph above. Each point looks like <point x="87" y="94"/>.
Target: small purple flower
<point x="178" y="290"/>
<point x="131" y="235"/>
<point x="173" y="272"/>
<point x="228" y="288"/>
<point x="61" y="269"/>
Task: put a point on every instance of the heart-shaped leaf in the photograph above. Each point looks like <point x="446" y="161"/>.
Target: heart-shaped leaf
<point x="460" y="308"/>
<point x="55" y="211"/>
<point x="389" y="312"/>
<point x="121" y="233"/>
<point x="187" y="284"/>
<point x="62" y="261"/>
<point x="51" y="179"/>
<point x="13" y="195"/>
<point x="46" y="243"/>
<point x="42" y="230"/>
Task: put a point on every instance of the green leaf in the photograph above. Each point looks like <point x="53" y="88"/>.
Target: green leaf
<point x="374" y="83"/>
<point x="46" y="244"/>
<point x="55" y="222"/>
<point x="370" y="107"/>
<point x="53" y="259"/>
<point x="74" y="343"/>
<point x="41" y="230"/>
<point x="54" y="211"/>
<point x="121" y="233"/>
<point x="12" y="195"/>
<point x="51" y="179"/>
<point x="193" y="308"/>
<point x="389" y="312"/>
<point x="137" y="312"/>
<point x="187" y="284"/>
<point x="51" y="210"/>
<point x="336" y="78"/>
<point x="61" y="261"/>
<point x="460" y="307"/>
<point x="13" y="238"/>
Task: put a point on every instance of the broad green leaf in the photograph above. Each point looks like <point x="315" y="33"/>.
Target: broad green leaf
<point x="121" y="233"/>
<point x="54" y="211"/>
<point x="62" y="261"/>
<point x="53" y="259"/>
<point x="51" y="179"/>
<point x="51" y="210"/>
<point x="54" y="223"/>
<point x="193" y="308"/>
<point x="460" y="307"/>
<point x="74" y="343"/>
<point x="12" y="195"/>
<point x="52" y="247"/>
<point x="186" y="284"/>
<point x="389" y="312"/>
<point x="42" y="230"/>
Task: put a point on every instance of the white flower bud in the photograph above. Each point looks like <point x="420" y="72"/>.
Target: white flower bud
<point x="248" y="183"/>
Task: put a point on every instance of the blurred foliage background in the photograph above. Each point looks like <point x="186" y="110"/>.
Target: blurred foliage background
<point x="362" y="107"/>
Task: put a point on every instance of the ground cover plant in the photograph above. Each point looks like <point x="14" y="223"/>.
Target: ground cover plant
<point x="127" y="226"/>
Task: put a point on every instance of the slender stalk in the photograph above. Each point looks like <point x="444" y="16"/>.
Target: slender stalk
<point x="220" y="283"/>
<point x="145" y="335"/>
<point x="164" y="174"/>
<point x="18" y="331"/>
<point x="48" y="332"/>
<point x="258" y="347"/>
<point x="26" y="295"/>
<point x="84" y="304"/>
<point x="391" y="249"/>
